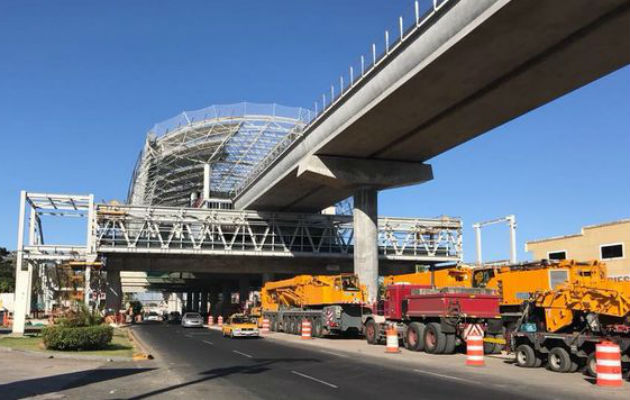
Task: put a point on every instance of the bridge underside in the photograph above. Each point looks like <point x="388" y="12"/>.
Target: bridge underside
<point x="249" y="264"/>
<point x="481" y="64"/>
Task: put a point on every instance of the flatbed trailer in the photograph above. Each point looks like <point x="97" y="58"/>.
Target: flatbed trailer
<point x="433" y="320"/>
<point x="563" y="352"/>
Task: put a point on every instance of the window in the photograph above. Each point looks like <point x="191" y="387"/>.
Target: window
<point x="558" y="277"/>
<point x="609" y="251"/>
<point x="557" y="255"/>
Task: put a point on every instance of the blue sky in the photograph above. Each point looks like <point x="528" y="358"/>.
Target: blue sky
<point x="82" y="82"/>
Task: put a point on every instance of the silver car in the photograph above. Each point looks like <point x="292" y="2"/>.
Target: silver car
<point x="192" y="320"/>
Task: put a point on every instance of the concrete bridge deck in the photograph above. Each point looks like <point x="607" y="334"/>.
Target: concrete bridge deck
<point x="471" y="66"/>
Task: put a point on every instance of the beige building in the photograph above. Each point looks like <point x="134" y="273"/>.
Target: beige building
<point x="606" y="242"/>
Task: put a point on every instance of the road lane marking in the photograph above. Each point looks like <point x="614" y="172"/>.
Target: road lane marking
<point x="315" y="379"/>
<point x="243" y="354"/>
<point x="208" y="342"/>
<point x="334" y="354"/>
<point x="189" y="336"/>
<point x="454" y="378"/>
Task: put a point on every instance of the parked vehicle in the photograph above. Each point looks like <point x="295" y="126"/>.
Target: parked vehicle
<point x="152" y="316"/>
<point x="192" y="320"/>
<point x="240" y="325"/>
<point x="333" y="304"/>
<point x="433" y="320"/>
<point x="561" y="327"/>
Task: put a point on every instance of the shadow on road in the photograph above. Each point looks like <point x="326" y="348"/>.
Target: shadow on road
<point x="258" y="366"/>
<point x="55" y="383"/>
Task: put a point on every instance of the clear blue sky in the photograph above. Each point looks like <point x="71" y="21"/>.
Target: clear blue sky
<point x="81" y="82"/>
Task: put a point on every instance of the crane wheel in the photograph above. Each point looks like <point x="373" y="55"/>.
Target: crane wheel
<point x="371" y="332"/>
<point x="434" y="339"/>
<point x="559" y="360"/>
<point x="591" y="365"/>
<point x="317" y="327"/>
<point x="526" y="357"/>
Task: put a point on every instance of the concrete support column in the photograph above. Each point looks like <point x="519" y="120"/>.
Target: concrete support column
<point x="365" y="221"/>
<point x="22" y="282"/>
<point x="189" y="301"/>
<point x="226" y="300"/>
<point x="203" y="309"/>
<point x="87" y="288"/>
<point x="243" y="290"/>
<point x="113" y="298"/>
<point x="214" y="301"/>
<point x="267" y="277"/>
<point x="195" y="306"/>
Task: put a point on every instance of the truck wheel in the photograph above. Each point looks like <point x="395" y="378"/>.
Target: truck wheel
<point x="434" y="339"/>
<point x="492" y="348"/>
<point x="414" y="336"/>
<point x="317" y="327"/>
<point x="371" y="332"/>
<point x="286" y="325"/>
<point x="526" y="357"/>
<point x="449" y="348"/>
<point x="591" y="365"/>
<point x="559" y="360"/>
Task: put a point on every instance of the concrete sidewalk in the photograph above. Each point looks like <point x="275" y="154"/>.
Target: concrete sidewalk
<point x="28" y="375"/>
<point x="499" y="369"/>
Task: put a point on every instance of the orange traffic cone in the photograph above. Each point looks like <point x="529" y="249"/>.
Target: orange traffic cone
<point x="210" y="320"/>
<point x="306" y="329"/>
<point x="391" y="345"/>
<point x="265" y="326"/>
<point x="220" y="321"/>
<point x="474" y="351"/>
<point x="608" y="364"/>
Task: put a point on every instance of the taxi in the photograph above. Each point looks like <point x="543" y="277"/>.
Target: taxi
<point x="240" y="325"/>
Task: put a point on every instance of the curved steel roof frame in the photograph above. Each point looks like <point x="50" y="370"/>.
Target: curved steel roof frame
<point x="233" y="139"/>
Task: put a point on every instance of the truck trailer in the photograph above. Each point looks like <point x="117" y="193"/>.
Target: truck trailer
<point x="435" y="320"/>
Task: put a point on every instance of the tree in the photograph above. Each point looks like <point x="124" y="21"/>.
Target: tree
<point x="7" y="271"/>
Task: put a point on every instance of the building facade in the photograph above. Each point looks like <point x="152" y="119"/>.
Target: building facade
<point x="605" y="242"/>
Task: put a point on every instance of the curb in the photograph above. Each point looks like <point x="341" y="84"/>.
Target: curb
<point x="78" y="357"/>
<point x="143" y="353"/>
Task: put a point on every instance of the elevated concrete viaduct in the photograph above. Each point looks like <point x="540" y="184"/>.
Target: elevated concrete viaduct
<point x="472" y="67"/>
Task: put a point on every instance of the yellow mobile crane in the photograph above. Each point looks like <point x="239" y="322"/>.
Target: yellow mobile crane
<point x="332" y="304"/>
<point x="562" y="326"/>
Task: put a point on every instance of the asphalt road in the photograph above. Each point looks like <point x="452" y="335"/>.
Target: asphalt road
<point x="265" y="369"/>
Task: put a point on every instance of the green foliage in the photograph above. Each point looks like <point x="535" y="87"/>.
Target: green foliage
<point x="7" y="271"/>
<point x="77" y="338"/>
<point x="80" y="317"/>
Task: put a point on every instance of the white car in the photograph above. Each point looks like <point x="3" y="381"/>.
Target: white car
<point x="152" y="316"/>
<point x="192" y="320"/>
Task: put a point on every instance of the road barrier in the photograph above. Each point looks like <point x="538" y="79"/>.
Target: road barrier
<point x="306" y="329"/>
<point x="608" y="364"/>
<point x="265" y="326"/>
<point x="220" y="321"/>
<point x="474" y="351"/>
<point x="391" y="344"/>
<point x="210" y="320"/>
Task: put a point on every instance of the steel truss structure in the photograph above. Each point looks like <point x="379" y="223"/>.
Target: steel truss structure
<point x="230" y="139"/>
<point x="114" y="228"/>
<point x="134" y="229"/>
